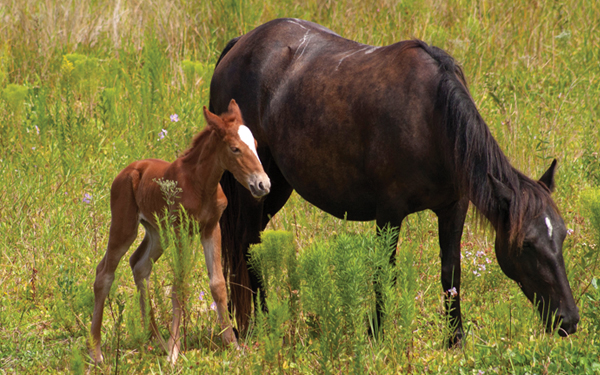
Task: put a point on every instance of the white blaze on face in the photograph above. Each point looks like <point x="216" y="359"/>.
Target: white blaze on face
<point x="247" y="137"/>
<point x="549" y="225"/>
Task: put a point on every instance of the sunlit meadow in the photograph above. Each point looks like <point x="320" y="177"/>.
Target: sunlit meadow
<point x="87" y="87"/>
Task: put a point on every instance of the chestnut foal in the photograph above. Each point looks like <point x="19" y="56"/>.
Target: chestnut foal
<point x="226" y="144"/>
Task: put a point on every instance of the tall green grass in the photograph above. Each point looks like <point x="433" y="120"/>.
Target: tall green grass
<point x="86" y="87"/>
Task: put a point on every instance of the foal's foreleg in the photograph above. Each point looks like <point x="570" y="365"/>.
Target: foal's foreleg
<point x="451" y="221"/>
<point x="211" y="242"/>
<point x="174" y="344"/>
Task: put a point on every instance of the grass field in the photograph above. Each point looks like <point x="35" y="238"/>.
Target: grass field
<point x="86" y="87"/>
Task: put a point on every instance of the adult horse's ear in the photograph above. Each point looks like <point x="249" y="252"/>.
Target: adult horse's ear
<point x="548" y="177"/>
<point x="233" y="108"/>
<point x="502" y="192"/>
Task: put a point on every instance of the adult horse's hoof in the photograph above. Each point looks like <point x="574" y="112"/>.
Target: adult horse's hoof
<point x="455" y="341"/>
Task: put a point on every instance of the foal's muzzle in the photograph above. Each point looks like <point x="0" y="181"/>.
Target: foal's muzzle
<point x="260" y="185"/>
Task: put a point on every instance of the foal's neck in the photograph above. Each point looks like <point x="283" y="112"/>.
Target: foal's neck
<point x="202" y="168"/>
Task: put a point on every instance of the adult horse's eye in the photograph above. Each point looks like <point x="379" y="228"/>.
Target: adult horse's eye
<point x="235" y="150"/>
<point x="528" y="248"/>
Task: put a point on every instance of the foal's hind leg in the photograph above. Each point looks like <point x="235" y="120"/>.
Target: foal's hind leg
<point x="123" y="231"/>
<point x="451" y="220"/>
<point x="141" y="262"/>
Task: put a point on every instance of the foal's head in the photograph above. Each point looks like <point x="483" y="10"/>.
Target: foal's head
<point x="237" y="150"/>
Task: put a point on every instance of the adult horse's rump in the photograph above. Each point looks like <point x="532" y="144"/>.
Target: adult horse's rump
<point x="377" y="133"/>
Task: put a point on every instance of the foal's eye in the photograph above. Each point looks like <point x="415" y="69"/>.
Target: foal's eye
<point x="235" y="150"/>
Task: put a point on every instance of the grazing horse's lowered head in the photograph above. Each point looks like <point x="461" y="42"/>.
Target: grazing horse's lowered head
<point x="533" y="256"/>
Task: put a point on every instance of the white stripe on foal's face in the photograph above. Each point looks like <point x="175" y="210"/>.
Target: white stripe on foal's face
<point x="247" y="137"/>
<point x="549" y="225"/>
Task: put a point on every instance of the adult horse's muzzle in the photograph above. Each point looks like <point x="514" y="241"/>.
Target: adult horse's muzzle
<point x="568" y="322"/>
<point x="259" y="185"/>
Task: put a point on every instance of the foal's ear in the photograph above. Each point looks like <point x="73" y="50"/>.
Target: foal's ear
<point x="501" y="191"/>
<point x="213" y="121"/>
<point x="548" y="177"/>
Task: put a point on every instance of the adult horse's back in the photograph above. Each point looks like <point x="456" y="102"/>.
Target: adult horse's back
<point x="377" y="133"/>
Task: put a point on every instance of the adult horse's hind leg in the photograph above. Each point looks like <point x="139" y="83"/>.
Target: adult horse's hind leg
<point x="141" y="262"/>
<point x="123" y="231"/>
<point x="451" y="220"/>
<point x="394" y="231"/>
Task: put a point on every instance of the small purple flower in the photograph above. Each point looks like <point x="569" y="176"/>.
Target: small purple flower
<point x="482" y="267"/>
<point x="201" y="297"/>
<point x="476" y="273"/>
<point x="174" y="117"/>
<point x="570" y="231"/>
<point x="33" y="148"/>
<point x="87" y="198"/>
<point x="452" y="291"/>
<point x="213" y="306"/>
<point x="162" y="134"/>
<point x="480" y="254"/>
<point x="37" y="130"/>
<point x="488" y="261"/>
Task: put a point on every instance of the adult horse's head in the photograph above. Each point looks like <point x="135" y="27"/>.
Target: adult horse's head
<point x="237" y="153"/>
<point x="529" y="243"/>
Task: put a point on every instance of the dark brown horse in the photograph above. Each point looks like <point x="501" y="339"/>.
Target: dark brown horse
<point x="377" y="133"/>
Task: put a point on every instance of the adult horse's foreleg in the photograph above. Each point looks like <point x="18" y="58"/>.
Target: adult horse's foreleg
<point x="451" y="220"/>
<point x="211" y="242"/>
<point x="123" y="231"/>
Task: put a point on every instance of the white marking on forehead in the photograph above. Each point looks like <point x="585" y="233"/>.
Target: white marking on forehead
<point x="549" y="225"/>
<point x="247" y="137"/>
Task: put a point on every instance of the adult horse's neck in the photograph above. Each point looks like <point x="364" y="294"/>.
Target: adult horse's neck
<point x="501" y="193"/>
<point x="203" y="169"/>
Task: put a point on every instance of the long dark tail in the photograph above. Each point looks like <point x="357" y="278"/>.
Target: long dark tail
<point x="233" y="239"/>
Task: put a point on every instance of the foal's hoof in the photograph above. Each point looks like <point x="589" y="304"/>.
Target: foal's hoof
<point x="96" y="358"/>
<point x="95" y="355"/>
<point x="172" y="358"/>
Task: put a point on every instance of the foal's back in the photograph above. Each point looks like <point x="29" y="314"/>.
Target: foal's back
<point x="147" y="195"/>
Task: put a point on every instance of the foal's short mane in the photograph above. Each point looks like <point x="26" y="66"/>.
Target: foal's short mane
<point x="201" y="137"/>
<point x="477" y="154"/>
<point x="198" y="140"/>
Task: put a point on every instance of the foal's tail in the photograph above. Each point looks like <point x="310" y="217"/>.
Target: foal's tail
<point x="234" y="238"/>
